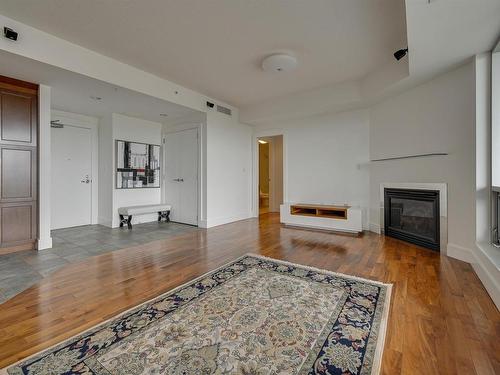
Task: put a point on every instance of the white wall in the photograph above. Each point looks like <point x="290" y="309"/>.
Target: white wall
<point x="325" y="159"/>
<point x="327" y="156"/>
<point x="438" y="116"/>
<point x="105" y="171"/>
<point x="119" y="127"/>
<point x="135" y="130"/>
<point x="234" y="170"/>
<point x="225" y="167"/>
<point x="228" y="169"/>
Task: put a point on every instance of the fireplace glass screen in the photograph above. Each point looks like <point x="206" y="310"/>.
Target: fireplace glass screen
<point x="413" y="216"/>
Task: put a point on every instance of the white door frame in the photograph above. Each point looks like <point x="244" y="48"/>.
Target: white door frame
<point x="176" y="129"/>
<point x="255" y="167"/>
<point x="92" y="123"/>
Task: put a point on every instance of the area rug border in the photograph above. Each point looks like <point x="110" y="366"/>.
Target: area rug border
<point x="377" y="359"/>
<point x="3" y="370"/>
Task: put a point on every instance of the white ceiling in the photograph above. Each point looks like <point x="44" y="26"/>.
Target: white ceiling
<point x="72" y="92"/>
<point x="442" y="34"/>
<point x="216" y="46"/>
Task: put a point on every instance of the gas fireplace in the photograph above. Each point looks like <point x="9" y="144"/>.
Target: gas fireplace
<point x="413" y="216"/>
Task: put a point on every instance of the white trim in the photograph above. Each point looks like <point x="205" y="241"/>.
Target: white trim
<point x="375" y="228"/>
<point x="44" y="243"/>
<point x="44" y="168"/>
<point x="255" y="166"/>
<point x="441" y="187"/>
<point x="91" y="123"/>
<point x="460" y="253"/>
<point x="483" y="266"/>
<point x="106" y="221"/>
<point x="214" y="222"/>
<point x="488" y="270"/>
<point x="443" y="205"/>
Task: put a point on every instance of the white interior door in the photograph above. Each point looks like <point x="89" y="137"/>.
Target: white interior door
<point x="181" y="175"/>
<point x="71" y="188"/>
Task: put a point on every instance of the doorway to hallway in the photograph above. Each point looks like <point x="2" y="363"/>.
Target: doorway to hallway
<point x="270" y="162"/>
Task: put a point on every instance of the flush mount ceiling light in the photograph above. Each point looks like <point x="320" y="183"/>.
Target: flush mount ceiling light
<point x="279" y="62"/>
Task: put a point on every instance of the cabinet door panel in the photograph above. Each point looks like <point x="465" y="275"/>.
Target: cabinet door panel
<point x="17" y="118"/>
<point x="17" y="223"/>
<point x="17" y="173"/>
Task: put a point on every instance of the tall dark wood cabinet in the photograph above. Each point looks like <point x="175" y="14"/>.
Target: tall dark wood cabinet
<point x="18" y="164"/>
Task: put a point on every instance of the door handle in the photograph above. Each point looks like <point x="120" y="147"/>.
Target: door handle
<point x="181" y="180"/>
<point x="86" y="180"/>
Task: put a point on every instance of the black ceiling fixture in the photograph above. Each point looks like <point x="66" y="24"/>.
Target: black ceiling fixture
<point x="9" y="33"/>
<point x="399" y="54"/>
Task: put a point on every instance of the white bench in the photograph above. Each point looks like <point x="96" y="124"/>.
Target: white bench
<point x="126" y="213"/>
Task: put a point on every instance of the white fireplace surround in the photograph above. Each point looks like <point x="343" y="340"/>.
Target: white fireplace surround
<point x="443" y="205"/>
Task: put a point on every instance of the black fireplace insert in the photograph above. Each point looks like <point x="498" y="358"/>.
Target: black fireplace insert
<point x="413" y="216"/>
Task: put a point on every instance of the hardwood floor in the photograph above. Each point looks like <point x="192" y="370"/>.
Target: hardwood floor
<point x="442" y="321"/>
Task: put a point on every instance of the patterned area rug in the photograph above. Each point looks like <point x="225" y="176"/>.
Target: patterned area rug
<point x="254" y="316"/>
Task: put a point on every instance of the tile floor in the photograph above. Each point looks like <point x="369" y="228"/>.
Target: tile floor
<point x="18" y="271"/>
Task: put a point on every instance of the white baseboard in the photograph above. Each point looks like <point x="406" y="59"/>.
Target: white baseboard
<point x="460" y="253"/>
<point x="486" y="270"/>
<point x="375" y="228"/>
<point x="44" y="243"/>
<point x="214" y="222"/>
<point x="104" y="221"/>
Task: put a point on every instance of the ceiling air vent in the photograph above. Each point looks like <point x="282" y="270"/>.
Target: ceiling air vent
<point x="56" y="124"/>
<point x="224" y="110"/>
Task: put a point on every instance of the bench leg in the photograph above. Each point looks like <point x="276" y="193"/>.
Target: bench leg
<point x="164" y="215"/>
<point x="126" y="220"/>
